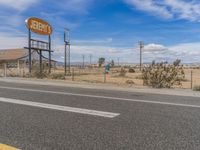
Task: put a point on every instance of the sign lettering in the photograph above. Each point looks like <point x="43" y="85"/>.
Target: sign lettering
<point x="39" y="26"/>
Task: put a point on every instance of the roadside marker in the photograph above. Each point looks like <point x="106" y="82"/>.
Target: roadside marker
<point x="7" y="147"/>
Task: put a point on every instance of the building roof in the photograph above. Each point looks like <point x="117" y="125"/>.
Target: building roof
<point x="13" y="54"/>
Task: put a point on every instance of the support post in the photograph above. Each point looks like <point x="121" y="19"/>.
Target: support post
<point x="191" y="79"/>
<point x="18" y="68"/>
<point x="69" y="57"/>
<point x="5" y="69"/>
<point x="29" y="46"/>
<point x="65" y="59"/>
<point x="104" y="77"/>
<point x="83" y="64"/>
<point x="73" y="74"/>
<point x="141" y="44"/>
<point x="49" y="54"/>
<point x="67" y="50"/>
<point x="40" y="62"/>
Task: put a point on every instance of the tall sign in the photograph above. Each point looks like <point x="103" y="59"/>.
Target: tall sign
<point x="39" y="26"/>
<point x="67" y="50"/>
<point x="43" y="28"/>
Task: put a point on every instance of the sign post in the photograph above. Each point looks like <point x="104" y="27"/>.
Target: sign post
<point x="67" y="51"/>
<point x="43" y="28"/>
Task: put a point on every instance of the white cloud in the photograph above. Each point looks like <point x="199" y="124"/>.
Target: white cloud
<point x="187" y="52"/>
<point x="181" y="9"/>
<point x="150" y="6"/>
<point x="17" y="4"/>
<point x="154" y="48"/>
<point x="8" y="41"/>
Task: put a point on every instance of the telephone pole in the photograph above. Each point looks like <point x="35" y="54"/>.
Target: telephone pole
<point x="90" y="59"/>
<point x="141" y="44"/>
<point x="83" y="65"/>
<point x="118" y="61"/>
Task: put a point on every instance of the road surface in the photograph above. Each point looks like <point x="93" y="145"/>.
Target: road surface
<point x="39" y="117"/>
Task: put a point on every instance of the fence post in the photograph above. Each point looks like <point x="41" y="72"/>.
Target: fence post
<point x="104" y="77"/>
<point x="18" y="68"/>
<point x="73" y="74"/>
<point x="5" y="69"/>
<point x="191" y="79"/>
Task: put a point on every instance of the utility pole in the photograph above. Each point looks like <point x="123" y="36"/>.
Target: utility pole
<point x="90" y="59"/>
<point x="83" y="64"/>
<point x="141" y="44"/>
<point x="67" y="50"/>
<point x="118" y="61"/>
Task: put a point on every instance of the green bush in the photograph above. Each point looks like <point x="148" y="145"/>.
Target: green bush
<point x="163" y="75"/>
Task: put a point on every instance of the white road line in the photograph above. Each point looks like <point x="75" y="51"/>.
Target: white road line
<point x="102" y="97"/>
<point x="60" y="108"/>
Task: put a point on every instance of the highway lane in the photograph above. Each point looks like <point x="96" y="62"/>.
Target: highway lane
<point x="140" y="125"/>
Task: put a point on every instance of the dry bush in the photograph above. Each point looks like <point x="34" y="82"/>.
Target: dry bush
<point x="163" y="75"/>
<point x="130" y="82"/>
<point x="59" y="76"/>
<point x="39" y="75"/>
<point x="36" y="72"/>
<point x="122" y="72"/>
<point x="196" y="88"/>
<point x="131" y="70"/>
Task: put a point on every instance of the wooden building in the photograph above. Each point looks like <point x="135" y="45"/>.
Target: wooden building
<point x="18" y="59"/>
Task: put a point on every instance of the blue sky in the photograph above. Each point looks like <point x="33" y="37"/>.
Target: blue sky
<point x="170" y="29"/>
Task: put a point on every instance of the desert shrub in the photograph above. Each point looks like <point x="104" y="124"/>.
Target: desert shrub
<point x="140" y="77"/>
<point x="131" y="70"/>
<point x="196" y="88"/>
<point x="58" y="76"/>
<point x="36" y="71"/>
<point x="163" y="75"/>
<point x="39" y="75"/>
<point x="122" y="72"/>
<point x="130" y="82"/>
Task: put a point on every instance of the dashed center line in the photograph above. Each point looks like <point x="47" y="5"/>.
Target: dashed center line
<point x="60" y="108"/>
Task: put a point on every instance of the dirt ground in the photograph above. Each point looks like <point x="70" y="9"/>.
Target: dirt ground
<point x="130" y="79"/>
<point x="96" y="75"/>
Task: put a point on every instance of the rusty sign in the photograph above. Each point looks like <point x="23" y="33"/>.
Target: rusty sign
<point x="39" y="26"/>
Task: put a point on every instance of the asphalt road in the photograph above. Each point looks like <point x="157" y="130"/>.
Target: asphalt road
<point x="35" y="117"/>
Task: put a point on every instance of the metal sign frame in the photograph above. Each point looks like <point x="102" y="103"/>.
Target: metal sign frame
<point x="38" y="46"/>
<point x="67" y="51"/>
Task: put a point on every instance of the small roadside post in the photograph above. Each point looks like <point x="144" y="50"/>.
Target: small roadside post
<point x="73" y="74"/>
<point x="5" y="69"/>
<point x="191" y="79"/>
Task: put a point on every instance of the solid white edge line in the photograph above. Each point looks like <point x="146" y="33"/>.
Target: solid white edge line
<point x="102" y="97"/>
<point x="60" y="108"/>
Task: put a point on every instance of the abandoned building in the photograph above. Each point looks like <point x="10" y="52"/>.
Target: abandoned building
<point x="18" y="59"/>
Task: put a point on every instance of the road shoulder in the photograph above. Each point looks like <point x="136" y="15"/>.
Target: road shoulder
<point x="175" y="92"/>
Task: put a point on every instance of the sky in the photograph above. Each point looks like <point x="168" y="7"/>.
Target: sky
<point x="170" y="29"/>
